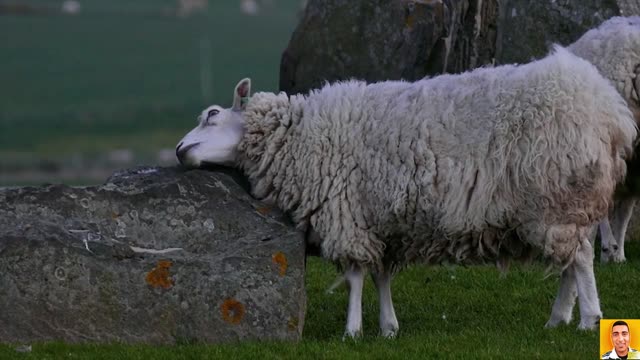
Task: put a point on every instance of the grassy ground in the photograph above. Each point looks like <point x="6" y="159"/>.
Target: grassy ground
<point x="444" y="312"/>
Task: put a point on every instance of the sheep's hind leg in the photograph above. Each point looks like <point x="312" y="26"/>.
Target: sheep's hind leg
<point x="355" y="279"/>
<point x="565" y="300"/>
<point x="620" y="218"/>
<point x="585" y="279"/>
<point x="607" y="241"/>
<point x="388" y="321"/>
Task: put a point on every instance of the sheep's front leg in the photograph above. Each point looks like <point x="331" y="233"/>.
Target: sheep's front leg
<point x="565" y="300"/>
<point x="607" y="241"/>
<point x="388" y="321"/>
<point x="355" y="279"/>
<point x="585" y="279"/>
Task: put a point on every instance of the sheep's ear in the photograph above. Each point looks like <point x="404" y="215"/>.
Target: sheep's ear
<point x="241" y="94"/>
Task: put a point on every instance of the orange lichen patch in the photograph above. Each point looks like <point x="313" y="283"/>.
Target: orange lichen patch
<point x="280" y="260"/>
<point x="292" y="324"/>
<point x="264" y="210"/>
<point x="416" y="10"/>
<point x="159" y="277"/>
<point x="232" y="311"/>
<point x="409" y="22"/>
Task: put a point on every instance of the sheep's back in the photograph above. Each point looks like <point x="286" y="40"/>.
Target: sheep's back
<point x="614" y="49"/>
<point x="467" y="166"/>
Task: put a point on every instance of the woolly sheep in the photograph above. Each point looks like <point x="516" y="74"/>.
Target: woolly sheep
<point x="614" y="49"/>
<point x="490" y="165"/>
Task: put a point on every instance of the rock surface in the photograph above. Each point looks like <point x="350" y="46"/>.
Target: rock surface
<point x="156" y="255"/>
<point x="528" y="28"/>
<point x="377" y="40"/>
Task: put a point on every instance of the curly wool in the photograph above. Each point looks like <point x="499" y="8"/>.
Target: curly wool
<point x="614" y="49"/>
<point x="497" y="162"/>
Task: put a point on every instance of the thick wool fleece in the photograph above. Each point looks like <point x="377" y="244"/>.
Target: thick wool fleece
<point x="614" y="49"/>
<point x="492" y="163"/>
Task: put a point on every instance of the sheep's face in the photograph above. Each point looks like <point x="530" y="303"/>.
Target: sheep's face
<point x="219" y="131"/>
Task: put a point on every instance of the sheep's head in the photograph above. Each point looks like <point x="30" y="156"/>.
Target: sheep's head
<point x="219" y="131"/>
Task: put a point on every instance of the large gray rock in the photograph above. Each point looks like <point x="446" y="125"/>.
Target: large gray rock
<point x="156" y="255"/>
<point x="528" y="28"/>
<point x="377" y="40"/>
<point x="629" y="7"/>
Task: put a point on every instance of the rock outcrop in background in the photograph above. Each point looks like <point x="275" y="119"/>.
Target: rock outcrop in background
<point x="381" y="39"/>
<point x="410" y="39"/>
<point x="156" y="255"/>
<point x="528" y="28"/>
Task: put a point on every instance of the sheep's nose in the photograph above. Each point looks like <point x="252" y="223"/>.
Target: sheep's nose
<point x="181" y="151"/>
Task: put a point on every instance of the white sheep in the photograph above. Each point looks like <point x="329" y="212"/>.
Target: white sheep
<point x="614" y="49"/>
<point x="494" y="164"/>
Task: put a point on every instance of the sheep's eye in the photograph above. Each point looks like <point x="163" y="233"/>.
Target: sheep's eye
<point x="213" y="112"/>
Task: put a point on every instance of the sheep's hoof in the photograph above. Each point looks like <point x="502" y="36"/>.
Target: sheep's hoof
<point x="389" y="333"/>
<point x="554" y="322"/>
<point x="551" y="324"/>
<point x="590" y="324"/>
<point x="619" y="259"/>
<point x="352" y="335"/>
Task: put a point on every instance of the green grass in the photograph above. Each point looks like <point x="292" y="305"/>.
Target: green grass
<point x="123" y="68"/>
<point x="444" y="313"/>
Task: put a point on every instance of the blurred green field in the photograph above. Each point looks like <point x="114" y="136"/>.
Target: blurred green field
<point x="128" y="74"/>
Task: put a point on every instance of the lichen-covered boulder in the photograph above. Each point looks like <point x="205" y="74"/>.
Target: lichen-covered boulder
<point x="155" y="255"/>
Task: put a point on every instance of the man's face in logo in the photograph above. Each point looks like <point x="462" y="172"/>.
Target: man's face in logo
<point x="620" y="339"/>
